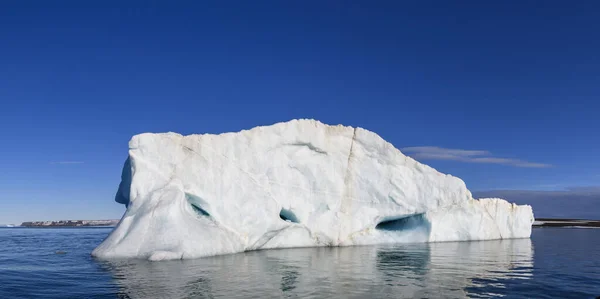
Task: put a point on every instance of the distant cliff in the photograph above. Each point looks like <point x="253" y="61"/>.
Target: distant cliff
<point x="70" y="223"/>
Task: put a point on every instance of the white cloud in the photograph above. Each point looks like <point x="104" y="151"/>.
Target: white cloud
<point x="470" y="156"/>
<point x="67" y="162"/>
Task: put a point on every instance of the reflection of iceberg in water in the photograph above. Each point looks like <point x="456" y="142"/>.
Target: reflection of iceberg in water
<point x="456" y="270"/>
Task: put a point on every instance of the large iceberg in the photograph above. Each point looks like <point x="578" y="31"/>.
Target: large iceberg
<point x="293" y="184"/>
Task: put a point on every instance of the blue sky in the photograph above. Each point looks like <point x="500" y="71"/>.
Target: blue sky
<point x="503" y="95"/>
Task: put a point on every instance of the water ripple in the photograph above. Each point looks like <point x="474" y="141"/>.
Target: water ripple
<point x="564" y="264"/>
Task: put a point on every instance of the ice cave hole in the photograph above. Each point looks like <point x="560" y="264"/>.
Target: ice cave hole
<point x="403" y="223"/>
<point x="200" y="210"/>
<point x="197" y="203"/>
<point x="288" y="215"/>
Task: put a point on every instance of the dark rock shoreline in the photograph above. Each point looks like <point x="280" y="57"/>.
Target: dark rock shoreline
<point x="70" y="223"/>
<point x="576" y="223"/>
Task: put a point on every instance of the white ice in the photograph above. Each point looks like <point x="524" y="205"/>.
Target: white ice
<point x="293" y="184"/>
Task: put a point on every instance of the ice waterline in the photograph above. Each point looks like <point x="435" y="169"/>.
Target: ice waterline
<point x="294" y="184"/>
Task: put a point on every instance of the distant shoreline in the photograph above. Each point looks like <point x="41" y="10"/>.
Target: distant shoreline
<point x="567" y="223"/>
<point x="50" y="227"/>
<point x="71" y="223"/>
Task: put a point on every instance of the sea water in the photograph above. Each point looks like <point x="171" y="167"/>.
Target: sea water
<point x="554" y="263"/>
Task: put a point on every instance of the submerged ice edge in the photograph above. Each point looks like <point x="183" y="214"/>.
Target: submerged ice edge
<point x="295" y="184"/>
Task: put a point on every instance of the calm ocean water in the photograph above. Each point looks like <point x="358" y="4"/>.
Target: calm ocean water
<point x="555" y="263"/>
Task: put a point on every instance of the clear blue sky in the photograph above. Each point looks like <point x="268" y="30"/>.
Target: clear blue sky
<point x="518" y="79"/>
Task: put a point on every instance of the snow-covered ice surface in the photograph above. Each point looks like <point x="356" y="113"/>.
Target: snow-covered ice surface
<point x="293" y="184"/>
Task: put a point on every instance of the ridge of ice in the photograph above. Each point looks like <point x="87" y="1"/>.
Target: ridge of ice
<point x="293" y="184"/>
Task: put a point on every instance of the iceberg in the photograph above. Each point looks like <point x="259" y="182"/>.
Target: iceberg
<point x="293" y="184"/>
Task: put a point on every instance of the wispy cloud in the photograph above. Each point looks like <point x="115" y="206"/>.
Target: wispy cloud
<point x="568" y="192"/>
<point x="470" y="156"/>
<point x="66" y="162"/>
<point x="585" y="189"/>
